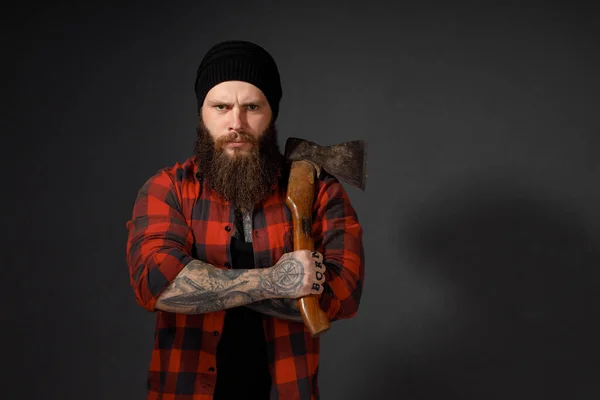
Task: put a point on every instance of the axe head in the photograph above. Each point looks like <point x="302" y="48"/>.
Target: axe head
<point x="346" y="161"/>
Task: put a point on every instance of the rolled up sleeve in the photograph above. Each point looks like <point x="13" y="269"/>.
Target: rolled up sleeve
<point x="159" y="241"/>
<point x="338" y="236"/>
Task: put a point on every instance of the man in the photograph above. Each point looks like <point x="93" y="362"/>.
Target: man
<point x="210" y="248"/>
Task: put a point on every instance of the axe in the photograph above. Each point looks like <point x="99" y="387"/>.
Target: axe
<point x="348" y="163"/>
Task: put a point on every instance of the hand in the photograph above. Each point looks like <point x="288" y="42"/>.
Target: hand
<point x="298" y="274"/>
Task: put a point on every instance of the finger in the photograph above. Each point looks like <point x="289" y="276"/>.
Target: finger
<point x="317" y="256"/>
<point x="319" y="266"/>
<point x="320" y="276"/>
<point x="317" y="288"/>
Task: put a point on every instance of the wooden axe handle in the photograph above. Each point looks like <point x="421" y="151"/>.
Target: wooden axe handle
<point x="300" y="198"/>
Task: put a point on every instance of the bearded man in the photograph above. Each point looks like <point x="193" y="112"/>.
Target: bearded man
<point x="210" y="248"/>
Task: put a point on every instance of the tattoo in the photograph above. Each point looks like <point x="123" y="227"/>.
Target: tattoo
<point x="204" y="300"/>
<point x="201" y="288"/>
<point x="316" y="286"/>
<point x="285" y="278"/>
<point x="319" y="276"/>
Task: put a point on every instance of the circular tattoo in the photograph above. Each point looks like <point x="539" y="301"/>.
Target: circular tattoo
<point x="288" y="275"/>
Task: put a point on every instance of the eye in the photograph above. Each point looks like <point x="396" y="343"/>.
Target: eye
<point x="220" y="107"/>
<point x="252" y="107"/>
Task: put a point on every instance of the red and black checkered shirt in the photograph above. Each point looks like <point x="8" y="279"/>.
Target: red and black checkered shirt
<point x="177" y="218"/>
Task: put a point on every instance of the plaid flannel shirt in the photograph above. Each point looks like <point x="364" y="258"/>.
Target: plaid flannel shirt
<point x="177" y="218"/>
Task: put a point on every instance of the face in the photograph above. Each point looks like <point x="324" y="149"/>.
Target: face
<point x="236" y="144"/>
<point x="236" y="114"/>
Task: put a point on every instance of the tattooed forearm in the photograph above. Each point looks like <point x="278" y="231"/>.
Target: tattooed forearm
<point x="279" y="308"/>
<point x="201" y="288"/>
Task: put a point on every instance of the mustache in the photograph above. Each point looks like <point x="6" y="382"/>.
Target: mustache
<point x="237" y="137"/>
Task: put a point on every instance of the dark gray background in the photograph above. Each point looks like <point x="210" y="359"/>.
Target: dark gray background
<point x="481" y="215"/>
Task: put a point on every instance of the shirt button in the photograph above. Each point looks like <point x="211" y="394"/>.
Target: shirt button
<point x="228" y="228"/>
<point x="211" y="369"/>
<point x="215" y="333"/>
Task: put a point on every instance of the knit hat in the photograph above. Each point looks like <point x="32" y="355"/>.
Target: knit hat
<point x="238" y="60"/>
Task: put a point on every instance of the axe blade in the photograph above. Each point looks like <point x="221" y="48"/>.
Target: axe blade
<point x="346" y="161"/>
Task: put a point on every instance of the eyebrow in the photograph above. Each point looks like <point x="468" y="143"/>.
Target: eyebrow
<point x="245" y="103"/>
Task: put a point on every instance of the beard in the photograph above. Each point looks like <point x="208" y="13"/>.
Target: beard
<point x="243" y="178"/>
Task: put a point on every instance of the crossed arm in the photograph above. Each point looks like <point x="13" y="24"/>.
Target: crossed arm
<point x="164" y="276"/>
<point x="201" y="288"/>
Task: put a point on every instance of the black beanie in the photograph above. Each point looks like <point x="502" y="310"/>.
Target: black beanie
<point x="238" y="60"/>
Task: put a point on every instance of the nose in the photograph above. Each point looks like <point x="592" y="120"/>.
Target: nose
<point x="236" y="123"/>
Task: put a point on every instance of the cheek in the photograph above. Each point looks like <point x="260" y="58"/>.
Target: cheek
<point x="214" y="125"/>
<point x="258" y="123"/>
<point x="211" y="117"/>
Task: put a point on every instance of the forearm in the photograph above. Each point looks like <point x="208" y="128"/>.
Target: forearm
<point x="278" y="308"/>
<point x="202" y="288"/>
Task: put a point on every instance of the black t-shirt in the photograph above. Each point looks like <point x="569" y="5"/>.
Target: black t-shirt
<point x="242" y="363"/>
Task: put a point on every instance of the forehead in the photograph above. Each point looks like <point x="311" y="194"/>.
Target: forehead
<point x="238" y="90"/>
